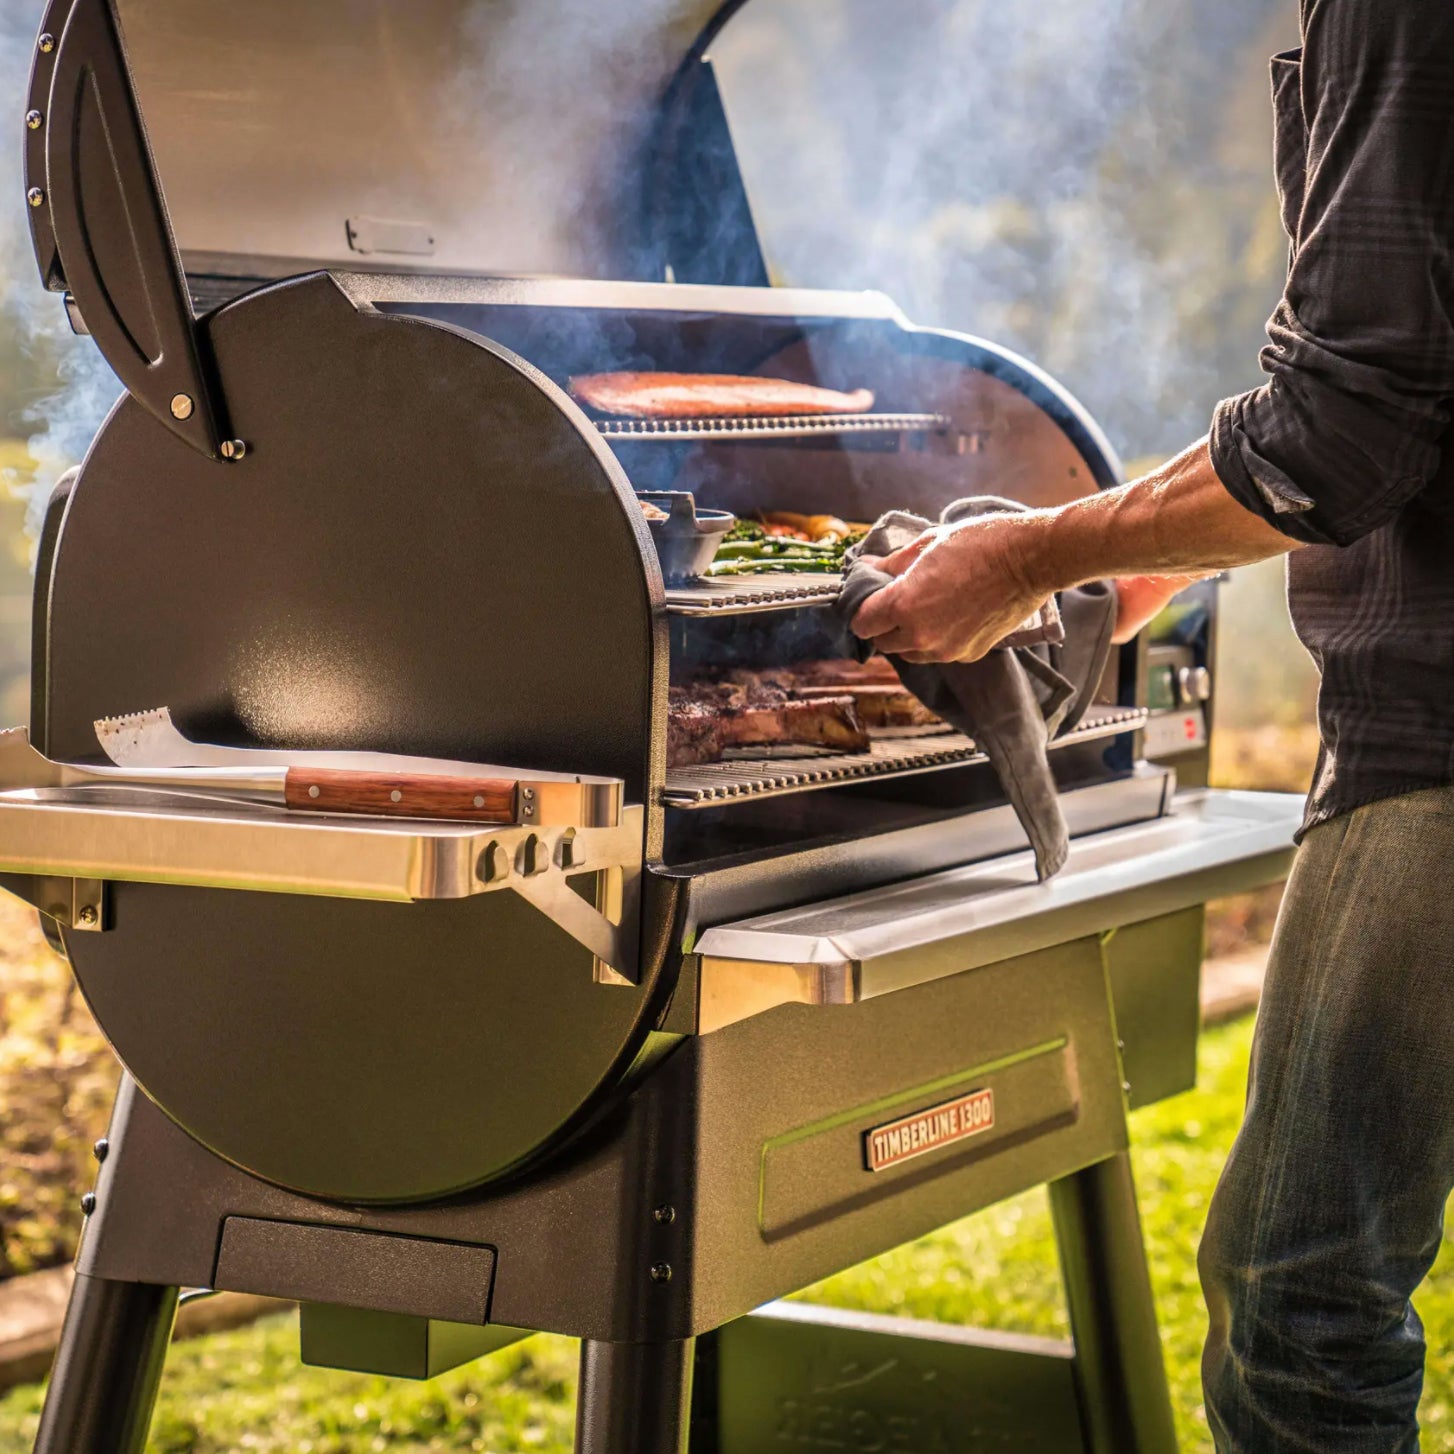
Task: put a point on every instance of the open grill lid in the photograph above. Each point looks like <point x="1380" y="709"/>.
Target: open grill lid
<point x="481" y="136"/>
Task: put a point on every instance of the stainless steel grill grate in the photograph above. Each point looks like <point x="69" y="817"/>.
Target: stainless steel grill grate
<point x="731" y="595"/>
<point x="713" y="784"/>
<point x="785" y="426"/>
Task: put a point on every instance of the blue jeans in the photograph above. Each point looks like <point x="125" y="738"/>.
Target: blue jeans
<point x="1331" y="1207"/>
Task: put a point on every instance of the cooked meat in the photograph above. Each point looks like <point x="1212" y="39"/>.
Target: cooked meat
<point x="700" y="396"/>
<point x="878" y="705"/>
<point x="877" y="670"/>
<point x="819" y="722"/>
<point x="707" y="717"/>
<point x="693" y="730"/>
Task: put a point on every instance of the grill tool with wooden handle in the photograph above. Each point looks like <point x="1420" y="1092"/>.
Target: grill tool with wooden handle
<point x="378" y="793"/>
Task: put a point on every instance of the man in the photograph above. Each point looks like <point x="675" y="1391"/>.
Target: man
<point x="1330" y="1209"/>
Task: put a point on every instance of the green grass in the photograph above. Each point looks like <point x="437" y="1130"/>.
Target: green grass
<point x="246" y="1391"/>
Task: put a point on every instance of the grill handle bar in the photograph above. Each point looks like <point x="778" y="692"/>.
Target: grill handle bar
<point x="100" y="227"/>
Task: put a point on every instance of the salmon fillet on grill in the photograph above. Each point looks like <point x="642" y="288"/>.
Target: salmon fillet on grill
<point x="703" y="396"/>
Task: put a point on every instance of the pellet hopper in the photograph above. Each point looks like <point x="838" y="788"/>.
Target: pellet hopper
<point x="447" y="1006"/>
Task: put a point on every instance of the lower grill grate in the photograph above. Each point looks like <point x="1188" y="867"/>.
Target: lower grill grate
<point x="716" y="783"/>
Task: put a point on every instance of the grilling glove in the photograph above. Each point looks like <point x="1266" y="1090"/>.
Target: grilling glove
<point x="1035" y="684"/>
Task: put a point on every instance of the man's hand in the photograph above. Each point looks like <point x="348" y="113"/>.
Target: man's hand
<point x="961" y="589"/>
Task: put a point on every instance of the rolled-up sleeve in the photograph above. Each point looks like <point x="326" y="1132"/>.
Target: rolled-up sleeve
<point x="1360" y="357"/>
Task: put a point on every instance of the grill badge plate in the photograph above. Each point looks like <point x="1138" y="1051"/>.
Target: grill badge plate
<point x="941" y="1125"/>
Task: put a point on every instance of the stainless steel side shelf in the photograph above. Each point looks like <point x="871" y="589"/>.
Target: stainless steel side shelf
<point x="844" y="950"/>
<point x="103" y="834"/>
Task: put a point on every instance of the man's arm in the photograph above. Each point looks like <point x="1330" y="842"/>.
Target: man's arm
<point x="1351" y="425"/>
<point x="964" y="587"/>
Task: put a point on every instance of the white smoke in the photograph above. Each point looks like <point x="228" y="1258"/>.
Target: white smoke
<point x="65" y="387"/>
<point x="1086" y="181"/>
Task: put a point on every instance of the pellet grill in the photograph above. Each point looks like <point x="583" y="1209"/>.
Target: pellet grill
<point x="651" y="1048"/>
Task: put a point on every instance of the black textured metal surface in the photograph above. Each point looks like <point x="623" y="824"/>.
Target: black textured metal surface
<point x="422" y="554"/>
<point x="356" y="1269"/>
<point x="111" y="231"/>
<point x="893" y="1383"/>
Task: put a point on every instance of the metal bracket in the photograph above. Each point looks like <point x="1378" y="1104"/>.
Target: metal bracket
<point x="540" y="867"/>
<point x="82" y="904"/>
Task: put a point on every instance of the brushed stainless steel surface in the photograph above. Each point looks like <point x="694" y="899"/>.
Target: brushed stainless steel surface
<point x="748" y="886"/>
<point x="396" y="290"/>
<point x="886" y="939"/>
<point x="103" y="834"/>
<point x="712" y="784"/>
<point x="507" y="131"/>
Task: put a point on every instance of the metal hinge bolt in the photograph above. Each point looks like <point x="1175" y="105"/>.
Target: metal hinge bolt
<point x="88" y="1204"/>
<point x="47" y="42"/>
<point x="234" y="449"/>
<point x="35" y="197"/>
<point x="34" y="120"/>
<point x="100" y="1149"/>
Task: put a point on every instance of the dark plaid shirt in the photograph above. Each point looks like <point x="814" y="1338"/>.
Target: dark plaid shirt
<point x="1349" y="446"/>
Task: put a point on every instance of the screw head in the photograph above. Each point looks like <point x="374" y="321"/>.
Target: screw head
<point x="661" y="1272"/>
<point x="87" y="915"/>
<point x="47" y="42"/>
<point x="234" y="448"/>
<point x="665" y="1215"/>
<point x="182" y="406"/>
<point x="34" y="120"/>
<point x="35" y="197"/>
<point x="88" y="1204"/>
<point x="100" y="1149"/>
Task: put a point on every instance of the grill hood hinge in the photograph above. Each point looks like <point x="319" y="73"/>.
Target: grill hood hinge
<point x="100" y="227"/>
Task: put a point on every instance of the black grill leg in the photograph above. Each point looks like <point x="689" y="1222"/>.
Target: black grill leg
<point x="635" y="1398"/>
<point x="107" y="1369"/>
<point x="1122" y="1379"/>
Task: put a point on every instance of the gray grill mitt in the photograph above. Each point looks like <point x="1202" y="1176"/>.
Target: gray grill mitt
<point x="1037" y="683"/>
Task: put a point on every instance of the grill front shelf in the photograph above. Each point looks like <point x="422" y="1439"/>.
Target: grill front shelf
<point x="737" y="780"/>
<point x="783" y="426"/>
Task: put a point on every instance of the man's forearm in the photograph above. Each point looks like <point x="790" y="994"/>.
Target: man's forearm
<point x="1178" y="520"/>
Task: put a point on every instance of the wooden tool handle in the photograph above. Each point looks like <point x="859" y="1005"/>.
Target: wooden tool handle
<point x="401" y="795"/>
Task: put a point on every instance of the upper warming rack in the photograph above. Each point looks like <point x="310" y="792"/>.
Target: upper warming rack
<point x="785" y="426"/>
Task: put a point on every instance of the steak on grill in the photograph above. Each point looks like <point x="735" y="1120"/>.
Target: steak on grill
<point x="705" y="718"/>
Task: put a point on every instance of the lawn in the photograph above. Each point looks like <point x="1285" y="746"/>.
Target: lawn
<point x="246" y="1390"/>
